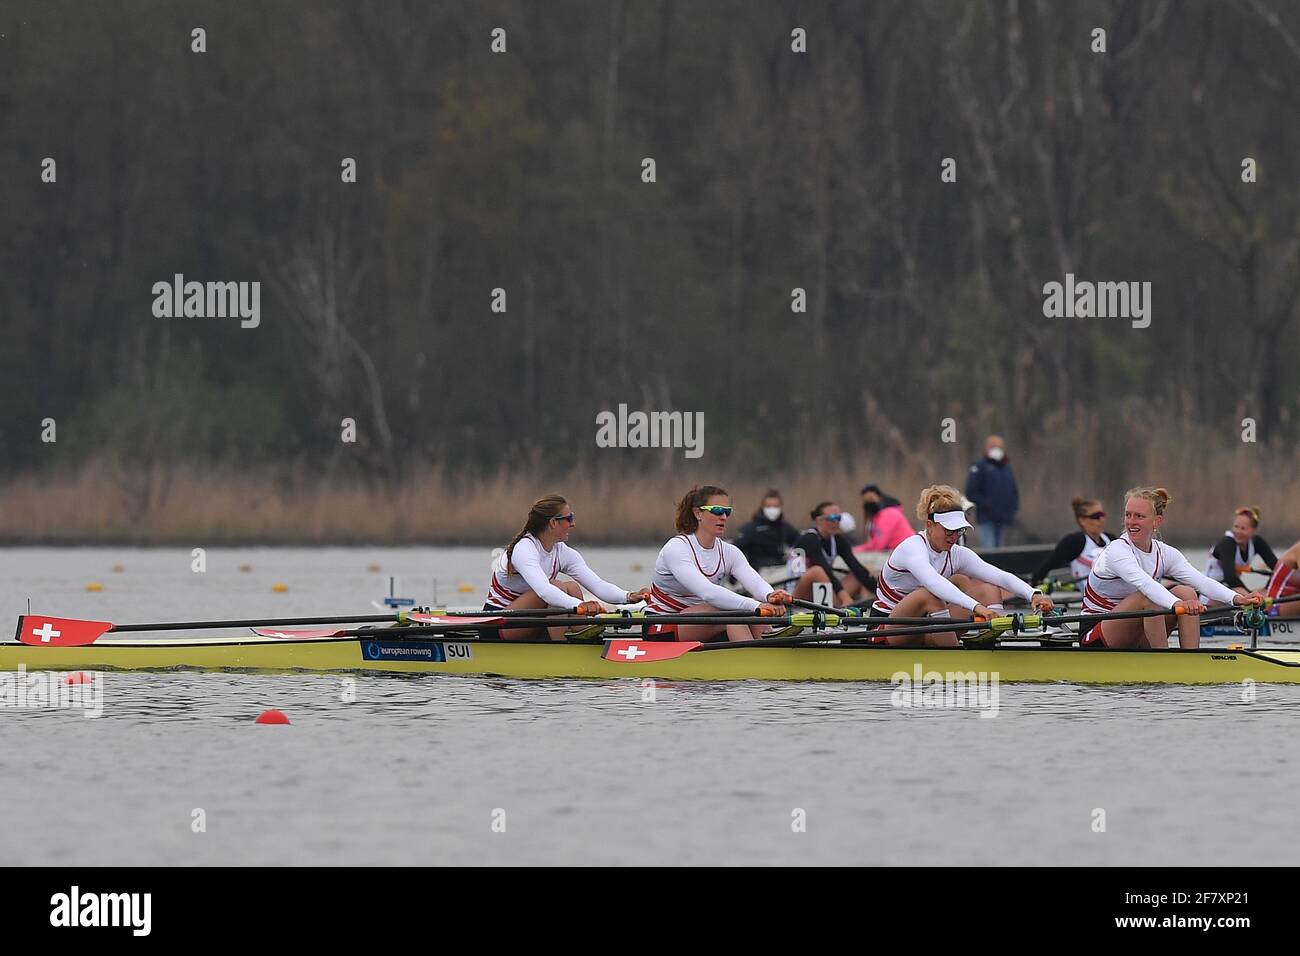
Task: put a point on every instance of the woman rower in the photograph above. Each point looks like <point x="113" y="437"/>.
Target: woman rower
<point x="821" y="545"/>
<point x="691" y="565"/>
<point x="1234" y="554"/>
<point x="1126" y="577"/>
<point x="1285" y="582"/>
<point x="523" y="577"/>
<point x="930" y="574"/>
<point x="1078" y="549"/>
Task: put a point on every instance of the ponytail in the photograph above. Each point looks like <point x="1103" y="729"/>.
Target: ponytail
<point x="539" y="516"/>
<point x="938" y="498"/>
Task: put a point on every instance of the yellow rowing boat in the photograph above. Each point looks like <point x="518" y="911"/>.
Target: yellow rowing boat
<point x="830" y="662"/>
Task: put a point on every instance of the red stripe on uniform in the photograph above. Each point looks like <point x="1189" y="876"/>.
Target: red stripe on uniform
<point x="659" y="601"/>
<point x="1282" y="583"/>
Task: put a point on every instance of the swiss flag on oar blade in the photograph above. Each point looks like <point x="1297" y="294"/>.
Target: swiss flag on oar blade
<point x="59" y="631"/>
<point x="645" y="652"/>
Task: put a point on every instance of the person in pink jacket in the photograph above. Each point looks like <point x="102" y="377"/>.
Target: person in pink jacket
<point x="887" y="525"/>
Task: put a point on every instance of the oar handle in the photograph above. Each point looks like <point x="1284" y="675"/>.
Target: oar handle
<point x="258" y="622"/>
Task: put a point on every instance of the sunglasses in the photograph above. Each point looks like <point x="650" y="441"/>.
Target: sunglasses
<point x="837" y="517"/>
<point x="1096" y="515"/>
<point x="718" y="511"/>
<point x="570" y="517"/>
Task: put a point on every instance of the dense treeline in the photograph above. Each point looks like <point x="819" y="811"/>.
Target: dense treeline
<point x="522" y="171"/>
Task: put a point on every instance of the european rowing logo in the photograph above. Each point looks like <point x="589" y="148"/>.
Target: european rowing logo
<point x="427" y="652"/>
<point x="626" y="429"/>
<point x="75" y="908"/>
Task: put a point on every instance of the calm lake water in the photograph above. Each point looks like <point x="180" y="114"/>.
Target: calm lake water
<point x="417" y="769"/>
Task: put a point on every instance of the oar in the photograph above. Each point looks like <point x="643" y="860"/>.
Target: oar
<point x="849" y="609"/>
<point x="617" y="649"/>
<point x="39" y="629"/>
<point x="613" y="619"/>
<point x="1156" y="612"/>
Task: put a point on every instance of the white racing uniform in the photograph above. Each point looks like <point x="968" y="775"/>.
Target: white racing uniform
<point x="1122" y="569"/>
<point x="535" y="570"/>
<point x="914" y="564"/>
<point x="687" y="573"/>
<point x="1081" y="566"/>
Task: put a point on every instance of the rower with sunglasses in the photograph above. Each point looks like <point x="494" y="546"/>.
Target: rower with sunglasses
<point x="932" y="575"/>
<point x="1078" y="549"/>
<point x="691" y="566"/>
<point x="523" y="577"/>
<point x="821" y="545"/>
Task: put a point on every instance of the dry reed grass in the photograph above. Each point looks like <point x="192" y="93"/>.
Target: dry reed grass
<point x="104" y="502"/>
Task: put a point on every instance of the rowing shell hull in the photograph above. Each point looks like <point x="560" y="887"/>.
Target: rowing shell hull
<point x="829" y="663"/>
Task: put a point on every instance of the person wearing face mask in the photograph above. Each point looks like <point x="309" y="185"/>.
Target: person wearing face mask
<point x="991" y="484"/>
<point x="767" y="537"/>
<point x="887" y="524"/>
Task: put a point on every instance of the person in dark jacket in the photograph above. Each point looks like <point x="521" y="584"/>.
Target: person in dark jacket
<point x="821" y="545"/>
<point x="767" y="537"/>
<point x="1078" y="549"/>
<point x="991" y="484"/>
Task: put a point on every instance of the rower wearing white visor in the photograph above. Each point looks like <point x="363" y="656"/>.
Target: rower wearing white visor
<point x="1126" y="577"/>
<point x="931" y="574"/>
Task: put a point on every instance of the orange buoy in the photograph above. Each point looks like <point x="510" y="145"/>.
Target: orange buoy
<point x="79" y="677"/>
<point x="272" y="717"/>
<point x="280" y="588"/>
<point x="94" y="586"/>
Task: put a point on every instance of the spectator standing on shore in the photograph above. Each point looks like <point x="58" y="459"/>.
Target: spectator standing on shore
<point x="887" y="525"/>
<point x="991" y="484"/>
<point x="767" y="537"/>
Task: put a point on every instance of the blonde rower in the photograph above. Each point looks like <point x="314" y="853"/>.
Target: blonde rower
<point x="1126" y="577"/>
<point x="691" y="566"/>
<point x="931" y="574"/>
<point x="1234" y="554"/>
<point x="523" y="578"/>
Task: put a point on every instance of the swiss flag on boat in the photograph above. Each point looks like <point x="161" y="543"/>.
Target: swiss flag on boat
<point x="59" y="631"/>
<point x="631" y="651"/>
